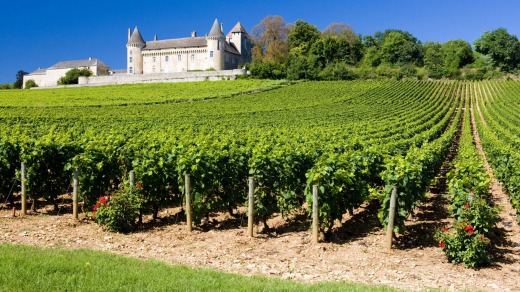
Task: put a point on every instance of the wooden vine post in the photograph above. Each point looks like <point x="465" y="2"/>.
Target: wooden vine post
<point x="187" y="188"/>
<point x="132" y="178"/>
<point x="315" y="220"/>
<point x="24" y="195"/>
<point x="250" y="207"/>
<point x="75" y="190"/>
<point x="391" y="219"/>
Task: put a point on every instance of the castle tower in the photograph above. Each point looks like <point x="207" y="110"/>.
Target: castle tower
<point x="242" y="41"/>
<point x="134" y="48"/>
<point x="216" y="46"/>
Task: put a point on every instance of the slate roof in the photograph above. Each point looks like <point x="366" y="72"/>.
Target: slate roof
<point x="136" y="38"/>
<point x="239" y="28"/>
<point x="231" y="48"/>
<point x="215" y="30"/>
<point x="176" y="43"/>
<point x="77" y="64"/>
<point x="39" y="71"/>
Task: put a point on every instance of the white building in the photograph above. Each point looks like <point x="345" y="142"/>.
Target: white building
<point x="50" y="76"/>
<point x="215" y="51"/>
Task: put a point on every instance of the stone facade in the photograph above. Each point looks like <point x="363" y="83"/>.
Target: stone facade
<point x="49" y="77"/>
<point x="215" y="51"/>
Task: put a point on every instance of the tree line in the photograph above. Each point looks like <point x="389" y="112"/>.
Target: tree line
<point x="301" y="51"/>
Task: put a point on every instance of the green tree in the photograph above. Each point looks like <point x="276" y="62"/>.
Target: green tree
<point x="433" y="59"/>
<point x="72" y="76"/>
<point x="457" y="53"/>
<point x="5" y="86"/>
<point x="502" y="47"/>
<point x="303" y="35"/>
<point x="19" y="79"/>
<point x="399" y="48"/>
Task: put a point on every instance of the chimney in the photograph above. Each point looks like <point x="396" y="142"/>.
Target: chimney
<point x="89" y="58"/>
<point x="155" y="38"/>
<point x="193" y="34"/>
<point x="128" y="33"/>
<point x="222" y="27"/>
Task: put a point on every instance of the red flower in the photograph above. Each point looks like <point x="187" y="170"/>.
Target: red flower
<point x="441" y="244"/>
<point x="482" y="237"/>
<point x="139" y="186"/>
<point x="446" y="229"/>
<point x="469" y="229"/>
<point x="103" y="200"/>
<point x="466" y="206"/>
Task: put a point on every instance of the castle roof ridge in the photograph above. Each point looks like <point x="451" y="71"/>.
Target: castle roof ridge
<point x="239" y="28"/>
<point x="136" y="38"/>
<point x="216" y="30"/>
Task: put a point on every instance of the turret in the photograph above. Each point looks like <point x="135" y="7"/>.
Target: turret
<point x="216" y="46"/>
<point x="242" y="41"/>
<point x="135" y="46"/>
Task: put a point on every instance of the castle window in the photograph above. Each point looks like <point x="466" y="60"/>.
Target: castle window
<point x="233" y="60"/>
<point x="130" y="60"/>
<point x="166" y="59"/>
<point x="179" y="58"/>
<point x="192" y="57"/>
<point x="153" y="68"/>
<point x="211" y="54"/>
<point x="131" y="53"/>
<point x="131" y="70"/>
<point x="154" y="59"/>
<point x="218" y="45"/>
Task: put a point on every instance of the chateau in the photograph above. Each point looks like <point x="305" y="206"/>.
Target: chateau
<point x="210" y="57"/>
<point x="215" y="51"/>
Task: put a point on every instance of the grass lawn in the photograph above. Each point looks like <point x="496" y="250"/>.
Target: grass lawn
<point x="24" y="268"/>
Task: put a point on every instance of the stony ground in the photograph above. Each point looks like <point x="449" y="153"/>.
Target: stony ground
<point x="356" y="252"/>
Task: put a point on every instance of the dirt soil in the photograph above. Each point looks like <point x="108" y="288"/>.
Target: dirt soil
<point x="356" y="252"/>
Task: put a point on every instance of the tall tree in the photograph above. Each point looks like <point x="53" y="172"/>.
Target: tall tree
<point x="303" y="35"/>
<point x="270" y="35"/>
<point x="457" y="53"/>
<point x="434" y="59"/>
<point x="18" y="84"/>
<point x="341" y="30"/>
<point x="502" y="47"/>
<point x="394" y="48"/>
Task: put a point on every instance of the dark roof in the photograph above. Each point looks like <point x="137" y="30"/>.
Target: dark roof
<point x="231" y="48"/>
<point x="136" y="38"/>
<point x="176" y="43"/>
<point x="215" y="30"/>
<point x="39" y="71"/>
<point x="77" y="64"/>
<point x="239" y="28"/>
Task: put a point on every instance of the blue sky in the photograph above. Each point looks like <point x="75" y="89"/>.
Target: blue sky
<point x="41" y="33"/>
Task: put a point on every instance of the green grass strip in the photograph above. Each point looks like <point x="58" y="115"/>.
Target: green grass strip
<point x="24" y="268"/>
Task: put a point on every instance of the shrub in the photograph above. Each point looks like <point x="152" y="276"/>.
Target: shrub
<point x="72" y="76"/>
<point x="462" y="244"/>
<point x="120" y="212"/>
<point x="30" y="84"/>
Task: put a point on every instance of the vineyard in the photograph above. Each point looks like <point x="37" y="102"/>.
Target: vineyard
<point x="357" y="141"/>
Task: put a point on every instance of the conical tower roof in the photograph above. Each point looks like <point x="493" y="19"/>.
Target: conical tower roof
<point x="215" y="30"/>
<point x="239" y="28"/>
<point x="136" y="38"/>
